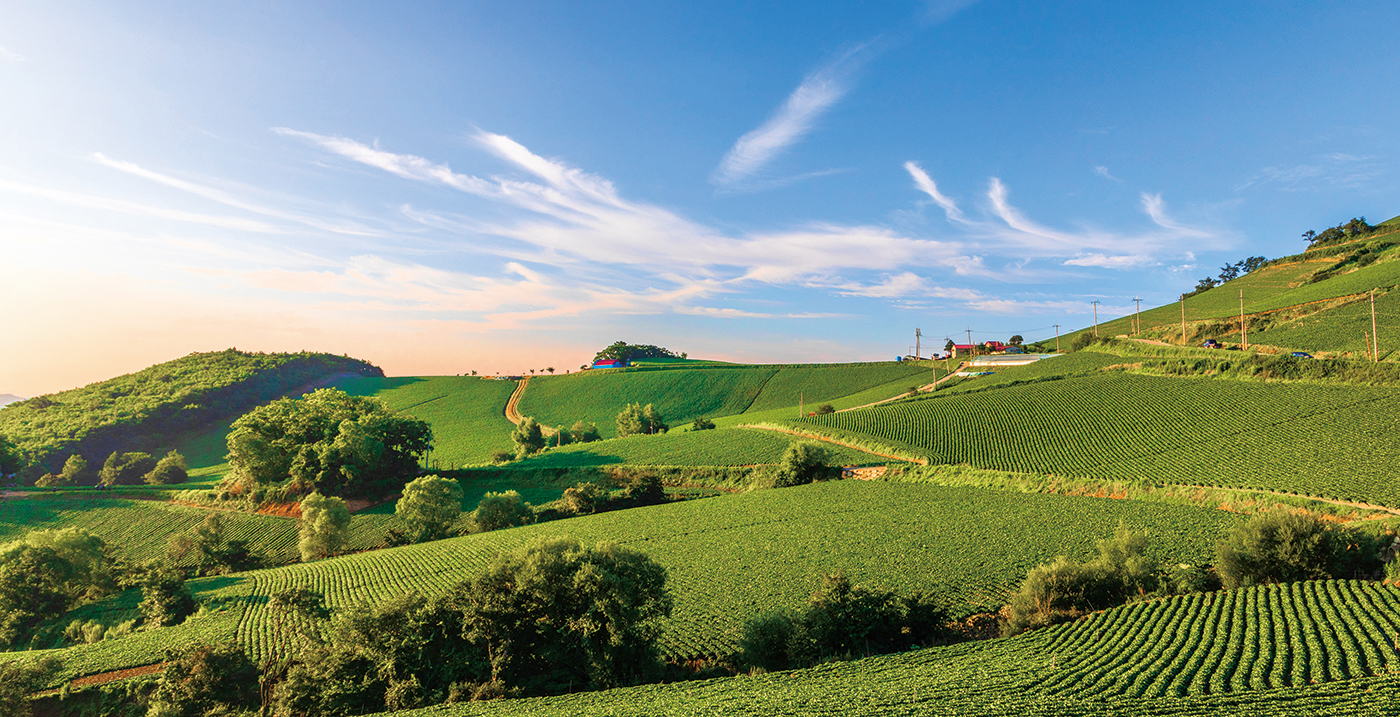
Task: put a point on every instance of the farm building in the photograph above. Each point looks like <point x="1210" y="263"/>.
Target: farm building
<point x="611" y="363"/>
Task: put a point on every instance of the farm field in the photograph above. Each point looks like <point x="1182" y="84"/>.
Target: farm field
<point x="718" y="447"/>
<point x="467" y="413"/>
<point x="684" y="394"/>
<point x="1118" y="426"/>
<point x="728" y="557"/>
<point x="1316" y="648"/>
<point x="1342" y="328"/>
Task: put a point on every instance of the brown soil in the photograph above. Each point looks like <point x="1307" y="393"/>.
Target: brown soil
<point x="103" y="678"/>
<point x="868" y="473"/>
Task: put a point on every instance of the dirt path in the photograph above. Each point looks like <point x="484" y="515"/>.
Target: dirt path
<point x="1154" y="342"/>
<point x="1330" y="501"/>
<point x="513" y="405"/>
<point x="833" y="441"/>
<point x="922" y="389"/>
<point x="103" y="678"/>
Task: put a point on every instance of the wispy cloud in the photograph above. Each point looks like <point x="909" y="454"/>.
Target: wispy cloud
<point x="1102" y="171"/>
<point x="936" y="11"/>
<point x="86" y="201"/>
<point x="927" y="186"/>
<point x="1110" y="262"/>
<point x="817" y="94"/>
<point x="12" y="56"/>
<point x="1335" y="169"/>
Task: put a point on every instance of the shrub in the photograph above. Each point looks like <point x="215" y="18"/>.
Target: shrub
<point x="430" y="507"/>
<point x="206" y="681"/>
<point x="19" y="680"/>
<point x="501" y="510"/>
<point x="75" y="472"/>
<point x="774" y="640"/>
<point x="825" y="409"/>
<point x="583" y="498"/>
<point x="170" y="470"/>
<point x="325" y="526"/>
<point x="126" y="468"/>
<point x="499" y="457"/>
<point x="1065" y="589"/>
<point x="585" y="433"/>
<point x="637" y="419"/>
<point x="1284" y="546"/>
<point x="702" y="424"/>
<point x="802" y="462"/>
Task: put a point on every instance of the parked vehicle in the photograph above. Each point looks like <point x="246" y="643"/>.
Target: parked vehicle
<point x="1211" y="344"/>
<point x="1302" y="354"/>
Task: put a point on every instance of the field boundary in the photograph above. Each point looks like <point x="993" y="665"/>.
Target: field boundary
<point x="834" y="441"/>
<point x="922" y="389"/>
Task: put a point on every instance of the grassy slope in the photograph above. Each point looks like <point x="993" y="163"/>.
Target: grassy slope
<point x="728" y="557"/>
<point x="719" y="447"/>
<point x="1287" y="437"/>
<point x="1339" y="329"/>
<point x="467" y="413"/>
<point x="680" y="395"/>
<point x="1185" y="656"/>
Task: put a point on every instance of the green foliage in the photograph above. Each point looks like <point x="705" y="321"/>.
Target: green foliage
<point x="211" y="548"/>
<point x="126" y="468"/>
<point x="636" y="419"/>
<point x="558" y="615"/>
<point x="170" y="470"/>
<point x="430" y="507"/>
<point x="583" y="499"/>
<point x="206" y="680"/>
<point x="702" y="424"/>
<point x="325" y="524"/>
<point x="11" y="460"/>
<point x="1066" y="590"/>
<point x="501" y="510"/>
<point x="328" y="441"/>
<point x="150" y="408"/>
<point x="585" y="433"/>
<point x="1283" y="546"/>
<point x="528" y="438"/>
<point x="165" y="599"/>
<point x="19" y="681"/>
<point x="75" y="472"/>
<point x="47" y="573"/>
<point x="825" y="409"/>
<point x="802" y="463"/>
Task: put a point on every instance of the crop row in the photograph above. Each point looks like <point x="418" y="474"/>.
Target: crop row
<point x="1287" y="437"/>
<point x="719" y="447"/>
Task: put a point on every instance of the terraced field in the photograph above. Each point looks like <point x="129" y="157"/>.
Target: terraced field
<point x="718" y="447"/>
<point x="1286" y="437"/>
<point x="1329" y="653"/>
<point x="1343" y="328"/>
<point x="729" y="557"/>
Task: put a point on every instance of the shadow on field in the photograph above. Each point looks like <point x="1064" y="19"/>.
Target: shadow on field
<point x="366" y="386"/>
<point x="572" y="459"/>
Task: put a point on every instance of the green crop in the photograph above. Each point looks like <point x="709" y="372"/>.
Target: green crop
<point x="1277" y="436"/>
<point x="718" y="447"/>
<point x="467" y="413"/>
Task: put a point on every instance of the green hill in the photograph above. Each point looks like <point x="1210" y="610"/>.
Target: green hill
<point x="727" y="558"/>
<point x="467" y="413"/>
<point x="1308" y="649"/>
<point x="155" y="408"/>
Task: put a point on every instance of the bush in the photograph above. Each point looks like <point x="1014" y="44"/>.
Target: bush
<point x="325" y="527"/>
<point x="126" y="468"/>
<point x="430" y="507"/>
<point x="702" y="424"/>
<point x="170" y="470"/>
<point x="583" y="498"/>
<point x="47" y="573"/>
<point x="637" y="419"/>
<point x="774" y="641"/>
<point x="1284" y="546"/>
<point x="499" y="457"/>
<point x="206" y="681"/>
<point x="585" y="433"/>
<point x="1064" y="590"/>
<point x="802" y="463"/>
<point x="75" y="472"/>
<point x="501" y="510"/>
<point x="1083" y="341"/>
<point x="825" y="409"/>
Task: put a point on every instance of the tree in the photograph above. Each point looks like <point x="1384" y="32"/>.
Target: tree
<point x="169" y="470"/>
<point x="802" y="462"/>
<point x="585" y="433"/>
<point x="637" y="419"/>
<point x="1229" y="272"/>
<point x="11" y="460"/>
<point x="1283" y="546"/>
<point x="949" y="346"/>
<point x="583" y="498"/>
<point x="75" y="472"/>
<point x="35" y="585"/>
<point x="528" y="438"/>
<point x="126" y="468"/>
<point x="218" y="680"/>
<point x="165" y="600"/>
<point x="1310" y="236"/>
<point x="19" y="680"/>
<point x="702" y="424"/>
<point x="501" y="510"/>
<point x="329" y="442"/>
<point x="430" y="507"/>
<point x="550" y="370"/>
<point x="559" y="616"/>
<point x="325" y="527"/>
<point x="1015" y="340"/>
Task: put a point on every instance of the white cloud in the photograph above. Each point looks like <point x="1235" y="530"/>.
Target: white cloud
<point x="1110" y="262"/>
<point x="816" y="95"/>
<point x="927" y="186"/>
<point x="118" y="205"/>
<point x="12" y="56"/>
<point x="1102" y="171"/>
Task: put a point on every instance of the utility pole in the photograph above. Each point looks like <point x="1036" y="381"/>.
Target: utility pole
<point x="918" y="346"/>
<point x="1183" y="319"/>
<point x="969" y="343"/>
<point x="801" y="409"/>
<point x="1137" y="317"/>
<point x="1375" y="337"/>
<point x="1244" y="337"/>
<point x="1096" y="318"/>
<point x="1057" y="338"/>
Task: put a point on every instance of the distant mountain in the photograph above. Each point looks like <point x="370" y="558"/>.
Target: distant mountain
<point x="149" y="409"/>
<point x="8" y="398"/>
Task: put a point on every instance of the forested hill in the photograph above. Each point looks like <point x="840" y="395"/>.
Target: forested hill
<point x="148" y="409"/>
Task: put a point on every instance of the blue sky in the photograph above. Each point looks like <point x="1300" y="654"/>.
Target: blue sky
<point x="439" y="188"/>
